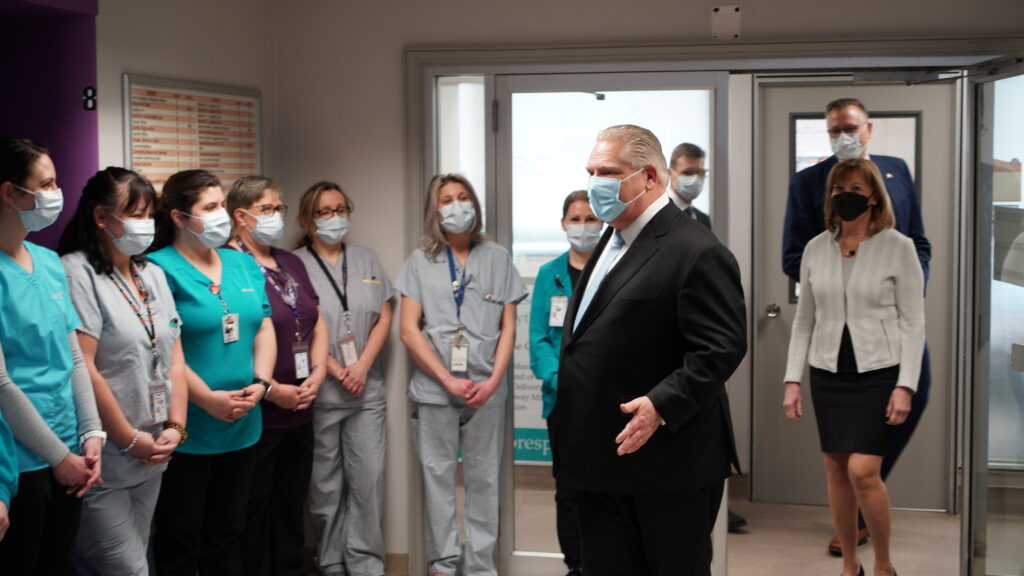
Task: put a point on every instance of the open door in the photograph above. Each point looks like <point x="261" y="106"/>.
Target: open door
<point x="994" y="523"/>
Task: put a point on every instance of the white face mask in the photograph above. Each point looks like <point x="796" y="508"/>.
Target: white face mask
<point x="216" y="228"/>
<point x="138" y="235"/>
<point x="457" y="217"/>
<point x="583" y="237"/>
<point x="49" y="203"/>
<point x="332" y="230"/>
<point x="689" y="186"/>
<point x="269" y="228"/>
<point x="847" y="146"/>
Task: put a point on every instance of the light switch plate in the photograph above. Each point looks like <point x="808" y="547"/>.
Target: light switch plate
<point x="725" y="22"/>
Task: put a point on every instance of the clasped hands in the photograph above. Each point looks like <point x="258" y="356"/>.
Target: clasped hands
<point x="476" y="394"/>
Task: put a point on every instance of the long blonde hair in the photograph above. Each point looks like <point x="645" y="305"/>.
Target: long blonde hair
<point x="434" y="240"/>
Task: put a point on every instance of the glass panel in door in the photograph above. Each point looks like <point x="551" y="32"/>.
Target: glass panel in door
<point x="552" y="136"/>
<point x="999" y="435"/>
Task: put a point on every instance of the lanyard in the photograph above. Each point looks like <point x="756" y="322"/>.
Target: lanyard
<point x="288" y="293"/>
<point x="147" y="322"/>
<point x="458" y="284"/>
<point x="343" y="296"/>
<point x="558" y="282"/>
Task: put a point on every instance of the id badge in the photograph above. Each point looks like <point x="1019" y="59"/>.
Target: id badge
<point x="158" y="401"/>
<point x="229" y="327"/>
<point x="460" y="356"/>
<point x="349" y="353"/>
<point x="559" y="304"/>
<point x="301" y="353"/>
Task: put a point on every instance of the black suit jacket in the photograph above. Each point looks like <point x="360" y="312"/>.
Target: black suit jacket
<point x="669" y="322"/>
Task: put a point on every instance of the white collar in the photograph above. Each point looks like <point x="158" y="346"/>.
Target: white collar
<point x="629" y="233"/>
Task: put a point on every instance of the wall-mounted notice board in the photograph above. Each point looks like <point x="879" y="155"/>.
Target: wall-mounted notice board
<point x="173" y="125"/>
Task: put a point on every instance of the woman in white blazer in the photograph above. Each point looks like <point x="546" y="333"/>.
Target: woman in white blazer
<point x="860" y="325"/>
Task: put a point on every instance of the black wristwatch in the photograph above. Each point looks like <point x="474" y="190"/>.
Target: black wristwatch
<point x="258" y="380"/>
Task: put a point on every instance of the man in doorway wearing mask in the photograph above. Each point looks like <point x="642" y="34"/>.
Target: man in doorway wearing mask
<point x="686" y="177"/>
<point x="655" y="328"/>
<point x="849" y="130"/>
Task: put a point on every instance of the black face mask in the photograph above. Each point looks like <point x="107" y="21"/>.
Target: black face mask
<point x="849" y="205"/>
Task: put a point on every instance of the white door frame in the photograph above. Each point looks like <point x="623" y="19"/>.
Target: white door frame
<point x="520" y="562"/>
<point x="424" y="64"/>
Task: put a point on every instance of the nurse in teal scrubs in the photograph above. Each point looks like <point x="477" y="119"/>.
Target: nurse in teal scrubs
<point x="230" y="347"/>
<point x="551" y="295"/>
<point x="8" y="475"/>
<point x="48" y="399"/>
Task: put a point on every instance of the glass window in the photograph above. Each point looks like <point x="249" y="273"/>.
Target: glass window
<point x="1003" y="501"/>
<point x="461" y="131"/>
<point x="552" y="135"/>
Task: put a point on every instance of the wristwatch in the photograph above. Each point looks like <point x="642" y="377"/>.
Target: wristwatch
<point x="179" y="428"/>
<point x="93" y="434"/>
<point x="258" y="380"/>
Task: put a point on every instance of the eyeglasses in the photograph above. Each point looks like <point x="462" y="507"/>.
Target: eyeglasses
<point x="268" y="209"/>
<point x="328" y="212"/>
<point x="853" y="129"/>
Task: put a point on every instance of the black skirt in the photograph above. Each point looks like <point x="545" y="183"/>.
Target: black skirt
<point x="850" y="407"/>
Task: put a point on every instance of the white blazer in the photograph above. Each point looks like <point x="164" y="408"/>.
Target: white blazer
<point x="883" y="305"/>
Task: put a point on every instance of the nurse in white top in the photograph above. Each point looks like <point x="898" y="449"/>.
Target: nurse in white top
<point x="459" y="295"/>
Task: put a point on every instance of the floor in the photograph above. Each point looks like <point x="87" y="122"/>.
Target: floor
<point x="779" y="539"/>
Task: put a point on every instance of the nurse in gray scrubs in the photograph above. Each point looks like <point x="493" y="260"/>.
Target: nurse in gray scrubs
<point x="459" y="295"/>
<point x="129" y="338"/>
<point x="346" y="495"/>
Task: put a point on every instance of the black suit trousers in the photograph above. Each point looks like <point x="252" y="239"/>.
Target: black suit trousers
<point x="649" y="534"/>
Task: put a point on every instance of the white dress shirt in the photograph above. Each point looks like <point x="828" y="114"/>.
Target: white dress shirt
<point x="629" y="233"/>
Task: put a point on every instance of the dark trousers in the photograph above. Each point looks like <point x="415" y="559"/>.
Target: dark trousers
<point x="649" y="534"/>
<point x="901" y="434"/>
<point x="44" y="523"/>
<point x="272" y="544"/>
<point x="567" y="519"/>
<point x="200" y="514"/>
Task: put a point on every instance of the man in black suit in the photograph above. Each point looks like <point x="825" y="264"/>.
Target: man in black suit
<point x="654" y="330"/>
<point x="687" y="174"/>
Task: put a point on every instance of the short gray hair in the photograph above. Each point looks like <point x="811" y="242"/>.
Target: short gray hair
<point x="246" y="191"/>
<point x="642" y="148"/>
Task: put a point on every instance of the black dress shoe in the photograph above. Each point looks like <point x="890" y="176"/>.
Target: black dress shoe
<point x="736" y="521"/>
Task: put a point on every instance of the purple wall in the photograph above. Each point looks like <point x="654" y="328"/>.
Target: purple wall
<point x="49" y="59"/>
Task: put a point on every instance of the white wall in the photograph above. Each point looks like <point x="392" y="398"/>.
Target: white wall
<point x="229" y="42"/>
<point x="331" y="74"/>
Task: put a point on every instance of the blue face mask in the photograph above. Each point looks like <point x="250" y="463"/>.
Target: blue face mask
<point x="604" y="196"/>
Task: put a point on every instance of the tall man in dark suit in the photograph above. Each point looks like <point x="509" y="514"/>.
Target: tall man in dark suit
<point x="654" y="330"/>
<point x="849" y="130"/>
<point x="686" y="175"/>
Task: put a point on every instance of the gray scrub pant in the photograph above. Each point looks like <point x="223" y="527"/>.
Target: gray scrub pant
<point x="114" y="532"/>
<point x="346" y="492"/>
<point x="437" y="431"/>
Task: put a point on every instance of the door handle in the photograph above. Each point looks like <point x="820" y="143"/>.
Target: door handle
<point x="773" y="310"/>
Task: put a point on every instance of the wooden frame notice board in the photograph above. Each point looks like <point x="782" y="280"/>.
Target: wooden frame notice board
<point x="172" y="125"/>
